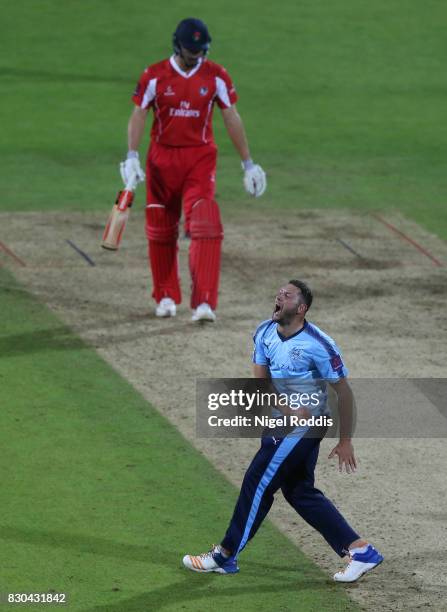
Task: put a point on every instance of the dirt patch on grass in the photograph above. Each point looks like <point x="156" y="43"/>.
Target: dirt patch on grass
<point x="382" y="300"/>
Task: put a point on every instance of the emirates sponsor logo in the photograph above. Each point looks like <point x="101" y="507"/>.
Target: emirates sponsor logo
<point x="184" y="110"/>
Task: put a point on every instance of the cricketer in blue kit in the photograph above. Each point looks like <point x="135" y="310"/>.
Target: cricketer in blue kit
<point x="288" y="348"/>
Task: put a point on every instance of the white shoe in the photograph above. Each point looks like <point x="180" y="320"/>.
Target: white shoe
<point x="203" y="312"/>
<point x="359" y="564"/>
<point x="212" y="561"/>
<point x="166" y="308"/>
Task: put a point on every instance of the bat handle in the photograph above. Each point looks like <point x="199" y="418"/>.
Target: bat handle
<point x="124" y="199"/>
<point x="131" y="183"/>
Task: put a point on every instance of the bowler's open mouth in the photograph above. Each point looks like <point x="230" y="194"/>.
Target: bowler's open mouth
<point x="277" y="309"/>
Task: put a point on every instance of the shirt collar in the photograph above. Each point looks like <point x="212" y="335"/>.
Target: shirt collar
<point x="184" y="74"/>
<point x="285" y="338"/>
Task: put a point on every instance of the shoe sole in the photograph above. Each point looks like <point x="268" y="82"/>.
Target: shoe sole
<point x="218" y="570"/>
<point x="165" y="315"/>
<point x="204" y="319"/>
<point x="369" y="569"/>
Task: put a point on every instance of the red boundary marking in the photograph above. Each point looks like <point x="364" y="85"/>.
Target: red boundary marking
<point x="5" y="249"/>
<point x="410" y="240"/>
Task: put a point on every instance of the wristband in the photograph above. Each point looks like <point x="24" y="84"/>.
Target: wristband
<point x="132" y="155"/>
<point x="247" y="164"/>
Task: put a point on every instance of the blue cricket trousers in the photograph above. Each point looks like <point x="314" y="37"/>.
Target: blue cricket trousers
<point x="287" y="464"/>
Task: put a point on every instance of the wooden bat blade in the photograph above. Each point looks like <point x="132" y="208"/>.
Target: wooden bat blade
<point x="117" y="221"/>
<point x="114" y="229"/>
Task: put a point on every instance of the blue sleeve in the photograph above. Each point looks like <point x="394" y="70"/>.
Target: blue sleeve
<point x="329" y="362"/>
<point x="259" y="356"/>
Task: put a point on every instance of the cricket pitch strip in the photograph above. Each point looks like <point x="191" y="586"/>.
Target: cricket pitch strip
<point x="381" y="297"/>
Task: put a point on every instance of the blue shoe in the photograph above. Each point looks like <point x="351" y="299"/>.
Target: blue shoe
<point x="212" y="561"/>
<point x="359" y="564"/>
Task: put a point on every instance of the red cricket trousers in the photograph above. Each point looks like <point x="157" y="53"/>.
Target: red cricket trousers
<point x="179" y="177"/>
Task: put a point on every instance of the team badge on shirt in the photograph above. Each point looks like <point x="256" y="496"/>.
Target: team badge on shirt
<point x="169" y="91"/>
<point x="203" y="91"/>
<point x="295" y="353"/>
<point x="336" y="362"/>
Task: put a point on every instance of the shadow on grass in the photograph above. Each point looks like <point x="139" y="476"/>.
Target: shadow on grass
<point x="53" y="338"/>
<point x="256" y="578"/>
<point x="186" y="594"/>
<point x="63" y="339"/>
<point x="91" y="545"/>
<point x="156" y="553"/>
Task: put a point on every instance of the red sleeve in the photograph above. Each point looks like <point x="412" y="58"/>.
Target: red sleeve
<point x="141" y="89"/>
<point x="226" y="94"/>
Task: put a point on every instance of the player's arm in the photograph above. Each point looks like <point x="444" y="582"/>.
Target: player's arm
<point x="255" y="181"/>
<point x="236" y="131"/>
<point x="131" y="168"/>
<point x="135" y="129"/>
<point x="344" y="449"/>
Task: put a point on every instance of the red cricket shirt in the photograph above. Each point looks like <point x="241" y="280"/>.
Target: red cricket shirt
<point x="183" y="102"/>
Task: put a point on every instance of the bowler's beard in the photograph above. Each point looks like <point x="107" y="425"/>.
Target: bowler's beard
<point x="285" y="318"/>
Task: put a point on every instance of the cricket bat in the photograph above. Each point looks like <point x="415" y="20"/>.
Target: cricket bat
<point x="118" y="217"/>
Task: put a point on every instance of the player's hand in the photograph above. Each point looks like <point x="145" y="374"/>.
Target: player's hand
<point x="345" y="452"/>
<point x="301" y="413"/>
<point x="131" y="169"/>
<point x="255" y="180"/>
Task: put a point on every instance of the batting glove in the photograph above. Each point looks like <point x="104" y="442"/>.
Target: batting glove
<point x="131" y="169"/>
<point x="255" y="180"/>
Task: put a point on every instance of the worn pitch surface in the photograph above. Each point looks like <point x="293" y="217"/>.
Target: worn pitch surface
<point x="376" y="294"/>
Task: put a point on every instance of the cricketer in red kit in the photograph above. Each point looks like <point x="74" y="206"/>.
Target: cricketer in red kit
<point x="181" y="166"/>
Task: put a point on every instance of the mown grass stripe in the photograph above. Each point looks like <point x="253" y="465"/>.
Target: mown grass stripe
<point x="101" y="496"/>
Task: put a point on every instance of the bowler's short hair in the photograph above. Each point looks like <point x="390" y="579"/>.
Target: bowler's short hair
<point x="305" y="291"/>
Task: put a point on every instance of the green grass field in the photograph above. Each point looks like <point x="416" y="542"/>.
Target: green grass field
<point x="343" y="102"/>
